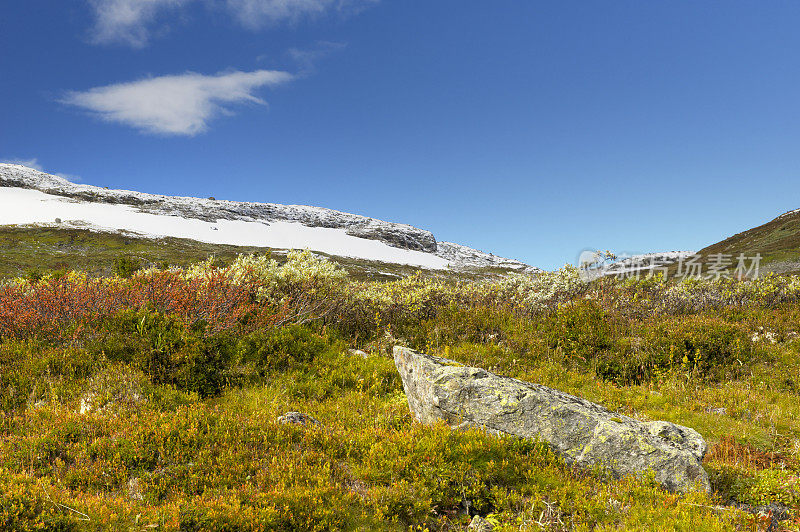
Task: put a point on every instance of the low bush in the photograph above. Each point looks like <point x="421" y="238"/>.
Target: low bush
<point x="25" y="505"/>
<point x="581" y="330"/>
<point x="280" y="349"/>
<point x="699" y="347"/>
<point x="125" y="266"/>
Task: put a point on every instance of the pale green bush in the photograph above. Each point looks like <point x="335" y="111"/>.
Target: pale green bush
<point x="534" y="292"/>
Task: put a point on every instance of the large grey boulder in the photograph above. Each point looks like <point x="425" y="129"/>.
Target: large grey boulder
<point x="583" y="432"/>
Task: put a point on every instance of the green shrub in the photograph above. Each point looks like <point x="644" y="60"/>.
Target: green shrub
<point x="34" y="275"/>
<point x="281" y="348"/>
<point x="707" y="343"/>
<point x="26" y="506"/>
<point x="581" y="330"/>
<point x="125" y="266"/>
<point x="698" y="347"/>
<point x="167" y="350"/>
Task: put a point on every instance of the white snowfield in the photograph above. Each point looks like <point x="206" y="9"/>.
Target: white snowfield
<point x="19" y="206"/>
<point x="31" y="197"/>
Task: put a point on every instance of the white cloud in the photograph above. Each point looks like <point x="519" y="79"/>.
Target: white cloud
<point x="30" y="163"/>
<point x="308" y="58"/>
<point x="175" y="105"/>
<point x="255" y="14"/>
<point x="128" y="21"/>
<point x="131" y="21"/>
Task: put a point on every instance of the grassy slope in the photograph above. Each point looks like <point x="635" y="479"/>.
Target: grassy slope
<point x="778" y="242"/>
<point x="26" y="249"/>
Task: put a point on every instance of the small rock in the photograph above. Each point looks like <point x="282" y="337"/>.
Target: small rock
<point x="719" y="411"/>
<point x="359" y="353"/>
<point x="762" y="335"/>
<point x="479" y="524"/>
<point x="297" y="418"/>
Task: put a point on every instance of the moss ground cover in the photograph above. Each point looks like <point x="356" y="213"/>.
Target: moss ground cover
<point x="185" y="373"/>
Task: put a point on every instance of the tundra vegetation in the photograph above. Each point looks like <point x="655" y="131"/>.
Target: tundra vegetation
<point x="150" y="400"/>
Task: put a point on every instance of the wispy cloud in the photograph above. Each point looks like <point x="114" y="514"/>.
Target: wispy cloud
<point x="255" y="14"/>
<point x="128" y="21"/>
<point x="131" y="22"/>
<point x="175" y="105"/>
<point x="307" y="58"/>
<point x="30" y="163"/>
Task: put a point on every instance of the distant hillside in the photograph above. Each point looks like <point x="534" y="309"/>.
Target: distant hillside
<point x="85" y="223"/>
<point x="778" y="242"/>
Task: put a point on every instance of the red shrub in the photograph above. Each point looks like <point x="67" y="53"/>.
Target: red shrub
<point x="49" y="307"/>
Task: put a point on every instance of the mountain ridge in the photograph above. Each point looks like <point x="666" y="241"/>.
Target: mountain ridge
<point x="250" y="218"/>
<point x="777" y="242"/>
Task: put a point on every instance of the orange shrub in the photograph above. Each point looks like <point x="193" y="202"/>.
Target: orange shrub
<point x="55" y="306"/>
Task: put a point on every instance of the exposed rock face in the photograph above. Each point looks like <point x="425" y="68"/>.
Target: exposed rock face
<point x="584" y="433"/>
<point x="473" y="258"/>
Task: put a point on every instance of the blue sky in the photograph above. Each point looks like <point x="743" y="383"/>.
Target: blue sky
<point x="532" y="129"/>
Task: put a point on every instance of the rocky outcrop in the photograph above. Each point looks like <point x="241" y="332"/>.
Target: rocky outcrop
<point x="469" y="258"/>
<point x="584" y="433"/>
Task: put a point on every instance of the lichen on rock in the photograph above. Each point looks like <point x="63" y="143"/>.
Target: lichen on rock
<point x="584" y="433"/>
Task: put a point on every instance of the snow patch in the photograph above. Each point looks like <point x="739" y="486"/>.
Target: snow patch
<point x="19" y="206"/>
<point x="29" y="196"/>
<point x="645" y="262"/>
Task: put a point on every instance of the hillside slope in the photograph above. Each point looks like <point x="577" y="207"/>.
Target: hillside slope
<point x="778" y="242"/>
<point x="37" y="199"/>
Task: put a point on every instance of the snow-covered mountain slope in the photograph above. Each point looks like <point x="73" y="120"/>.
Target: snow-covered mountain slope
<point x="646" y="262"/>
<point x="595" y="265"/>
<point x="28" y="196"/>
